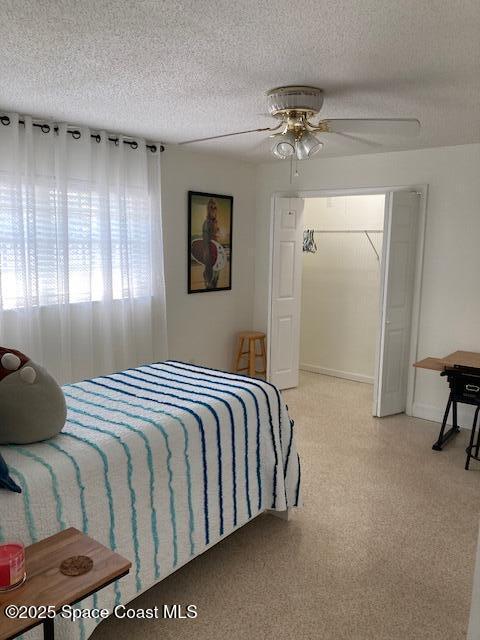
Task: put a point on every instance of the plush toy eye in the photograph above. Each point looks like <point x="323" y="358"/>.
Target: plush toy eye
<point x="28" y="375"/>
<point x="10" y="361"/>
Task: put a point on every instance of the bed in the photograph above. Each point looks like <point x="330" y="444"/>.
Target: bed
<point x="159" y="462"/>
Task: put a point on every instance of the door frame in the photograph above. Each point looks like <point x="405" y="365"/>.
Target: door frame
<point x="422" y="190"/>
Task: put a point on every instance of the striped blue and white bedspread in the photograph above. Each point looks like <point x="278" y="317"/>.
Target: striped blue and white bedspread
<point x="159" y="463"/>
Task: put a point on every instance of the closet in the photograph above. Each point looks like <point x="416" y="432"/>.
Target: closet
<point x="342" y="249"/>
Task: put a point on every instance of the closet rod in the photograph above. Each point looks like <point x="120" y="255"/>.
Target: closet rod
<point x="347" y="231"/>
<point x="362" y="231"/>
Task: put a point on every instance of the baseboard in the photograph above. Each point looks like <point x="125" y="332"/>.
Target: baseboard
<point x="347" y="375"/>
<point x="435" y="414"/>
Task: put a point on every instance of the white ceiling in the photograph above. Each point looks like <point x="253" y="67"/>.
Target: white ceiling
<point x="172" y="71"/>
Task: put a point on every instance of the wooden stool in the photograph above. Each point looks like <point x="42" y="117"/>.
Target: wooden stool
<point x="252" y="337"/>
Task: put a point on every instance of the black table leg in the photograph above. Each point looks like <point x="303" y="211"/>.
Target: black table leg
<point x="472" y="440"/>
<point x="48" y="630"/>
<point x="477" y="446"/>
<point x="443" y="437"/>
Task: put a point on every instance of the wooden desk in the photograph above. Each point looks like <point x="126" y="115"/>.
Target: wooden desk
<point x="462" y="369"/>
<point x="435" y="364"/>
<point x="46" y="585"/>
<point x="468" y="359"/>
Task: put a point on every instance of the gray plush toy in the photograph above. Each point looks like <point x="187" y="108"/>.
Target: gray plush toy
<point x="32" y="405"/>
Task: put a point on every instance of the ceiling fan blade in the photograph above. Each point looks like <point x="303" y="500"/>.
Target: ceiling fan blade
<point x="359" y="139"/>
<point x="385" y="126"/>
<point x="228" y="135"/>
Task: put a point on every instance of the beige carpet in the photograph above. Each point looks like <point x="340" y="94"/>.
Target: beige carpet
<point x="382" y="550"/>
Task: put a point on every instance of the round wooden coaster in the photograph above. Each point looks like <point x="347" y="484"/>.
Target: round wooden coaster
<point x="76" y="566"/>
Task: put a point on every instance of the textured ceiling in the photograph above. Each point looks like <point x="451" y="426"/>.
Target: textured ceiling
<point x="172" y="71"/>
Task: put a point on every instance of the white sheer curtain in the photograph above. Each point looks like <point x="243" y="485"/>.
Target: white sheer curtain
<point x="81" y="254"/>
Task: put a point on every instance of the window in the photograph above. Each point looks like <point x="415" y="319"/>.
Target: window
<point x="76" y="247"/>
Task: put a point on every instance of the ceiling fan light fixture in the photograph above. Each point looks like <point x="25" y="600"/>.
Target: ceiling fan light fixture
<point x="283" y="145"/>
<point x="307" y="146"/>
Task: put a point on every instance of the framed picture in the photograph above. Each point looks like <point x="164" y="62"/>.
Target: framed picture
<point x="209" y="242"/>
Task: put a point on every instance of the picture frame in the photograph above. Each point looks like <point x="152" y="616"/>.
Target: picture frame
<point x="209" y="242"/>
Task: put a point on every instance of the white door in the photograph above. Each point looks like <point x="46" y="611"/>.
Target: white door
<point x="286" y="292"/>
<point x="398" y="267"/>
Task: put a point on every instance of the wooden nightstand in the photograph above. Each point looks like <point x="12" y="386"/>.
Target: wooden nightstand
<point x="47" y="586"/>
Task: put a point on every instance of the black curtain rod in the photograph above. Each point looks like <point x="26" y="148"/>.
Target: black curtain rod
<point x="76" y="134"/>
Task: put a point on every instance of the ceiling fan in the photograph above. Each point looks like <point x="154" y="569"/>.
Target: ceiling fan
<point x="295" y="106"/>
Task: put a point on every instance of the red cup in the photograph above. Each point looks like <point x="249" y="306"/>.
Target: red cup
<point x="12" y="565"/>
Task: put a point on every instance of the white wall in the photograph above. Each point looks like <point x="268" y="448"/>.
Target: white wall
<point x="450" y="302"/>
<point x="201" y="326"/>
<point x="340" y="287"/>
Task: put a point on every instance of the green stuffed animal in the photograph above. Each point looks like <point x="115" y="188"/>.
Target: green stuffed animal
<point x="32" y="405"/>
